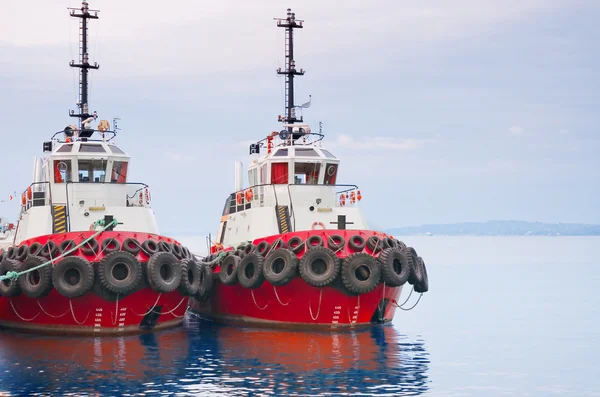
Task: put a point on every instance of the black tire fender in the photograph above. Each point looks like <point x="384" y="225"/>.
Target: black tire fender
<point x="120" y="272"/>
<point x="163" y="246"/>
<point x="423" y="285"/>
<point x="336" y="242"/>
<point x="319" y="266"/>
<point x="280" y="267"/>
<point x="263" y="247"/>
<point x="164" y="272"/>
<point x="296" y="244"/>
<point x="228" y="272"/>
<point x="50" y="250"/>
<point x="395" y="268"/>
<point x="91" y="247"/>
<point x="11" y="253"/>
<point x="190" y="278"/>
<point x="37" y="283"/>
<point x="132" y="246"/>
<point x="374" y="244"/>
<point x="34" y="249"/>
<point x="415" y="270"/>
<point x="176" y="250"/>
<point x="389" y="242"/>
<point x="314" y="241"/>
<point x="21" y="252"/>
<point x="66" y="245"/>
<point x="150" y="247"/>
<point x="360" y="273"/>
<point x="73" y="276"/>
<point x="250" y="271"/>
<point x="205" y="284"/>
<point x="249" y="249"/>
<point x="10" y="287"/>
<point x="110" y="245"/>
<point x="356" y="243"/>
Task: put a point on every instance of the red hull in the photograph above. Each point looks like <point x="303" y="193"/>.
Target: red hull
<point x="96" y="312"/>
<point x="298" y="304"/>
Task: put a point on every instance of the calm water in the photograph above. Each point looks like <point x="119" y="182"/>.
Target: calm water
<point x="505" y="316"/>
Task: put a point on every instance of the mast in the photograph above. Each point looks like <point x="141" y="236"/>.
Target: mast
<point x="290" y="23"/>
<point x="84" y="13"/>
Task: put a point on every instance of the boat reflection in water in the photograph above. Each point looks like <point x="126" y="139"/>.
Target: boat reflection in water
<point x="216" y="360"/>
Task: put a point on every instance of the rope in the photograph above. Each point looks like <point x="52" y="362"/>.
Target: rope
<point x="413" y="306"/>
<point x="12" y="275"/>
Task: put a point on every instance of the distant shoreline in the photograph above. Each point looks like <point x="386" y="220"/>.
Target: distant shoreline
<point x="499" y="228"/>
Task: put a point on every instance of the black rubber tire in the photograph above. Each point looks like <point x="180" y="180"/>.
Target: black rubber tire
<point x="110" y="245"/>
<point x="374" y="244"/>
<point x="132" y="246"/>
<point x="295" y="244"/>
<point x="3" y="254"/>
<point x="73" y="276"/>
<point x="120" y="273"/>
<point x="389" y="242"/>
<point x="10" y="287"/>
<point x="356" y="242"/>
<point x="239" y="253"/>
<point x="50" y="250"/>
<point x="67" y="245"/>
<point x="360" y="273"/>
<point x="34" y="249"/>
<point x="249" y="249"/>
<point x="186" y="253"/>
<point x="250" y="271"/>
<point x="190" y="278"/>
<point x="38" y="283"/>
<point x="205" y="282"/>
<point x="263" y="248"/>
<point x="176" y="250"/>
<point x="336" y="242"/>
<point x="150" y="247"/>
<point x="228" y="272"/>
<point x="21" y="253"/>
<point x="423" y="284"/>
<point x="280" y="267"/>
<point x="163" y="246"/>
<point x="91" y="247"/>
<point x="395" y="268"/>
<point x="164" y="272"/>
<point x="278" y="243"/>
<point x="11" y="253"/>
<point x="401" y="245"/>
<point x="319" y="256"/>
<point x="413" y="260"/>
<point x="314" y="241"/>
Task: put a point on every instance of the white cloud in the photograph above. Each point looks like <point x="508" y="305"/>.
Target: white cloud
<point x="516" y="130"/>
<point x="378" y="142"/>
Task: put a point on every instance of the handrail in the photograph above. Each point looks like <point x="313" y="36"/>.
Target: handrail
<point x="349" y="186"/>
<point x="114" y="134"/>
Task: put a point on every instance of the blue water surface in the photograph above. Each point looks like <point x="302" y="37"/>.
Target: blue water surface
<point x="504" y="316"/>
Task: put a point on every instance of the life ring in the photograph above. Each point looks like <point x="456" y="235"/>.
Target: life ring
<point x="73" y="276"/>
<point x="29" y="193"/>
<point x="190" y="277"/>
<point x="249" y="195"/>
<point x="228" y="272"/>
<point x="147" y="196"/>
<point x="120" y="273"/>
<point x="250" y="271"/>
<point x="141" y="200"/>
<point x="280" y="267"/>
<point x="352" y="197"/>
<point x="358" y="195"/>
<point x="23" y="199"/>
<point x="238" y="198"/>
<point x="360" y="273"/>
<point x="164" y="272"/>
<point x="205" y="283"/>
<point x="9" y="287"/>
<point x="395" y="268"/>
<point x="37" y="283"/>
<point x="342" y="199"/>
<point x="319" y="266"/>
<point x="316" y="223"/>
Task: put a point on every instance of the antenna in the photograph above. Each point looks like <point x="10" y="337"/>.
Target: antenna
<point x="290" y="23"/>
<point x="84" y="116"/>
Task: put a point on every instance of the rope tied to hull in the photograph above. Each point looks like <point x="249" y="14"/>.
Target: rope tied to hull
<point x="12" y="275"/>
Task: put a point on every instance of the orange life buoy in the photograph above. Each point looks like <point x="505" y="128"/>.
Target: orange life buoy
<point x="141" y="199"/>
<point x="23" y="199"/>
<point x="358" y="195"/>
<point x="318" y="224"/>
<point x="342" y="199"/>
<point x="249" y="195"/>
<point x="147" y="196"/>
<point x="352" y="197"/>
<point x="29" y="193"/>
<point x="238" y="198"/>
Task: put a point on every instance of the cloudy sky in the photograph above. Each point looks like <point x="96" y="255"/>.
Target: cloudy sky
<point x="442" y="111"/>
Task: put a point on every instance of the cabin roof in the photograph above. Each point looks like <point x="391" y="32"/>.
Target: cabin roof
<point x="89" y="149"/>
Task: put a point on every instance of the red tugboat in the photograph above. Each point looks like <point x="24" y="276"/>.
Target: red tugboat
<point x="293" y="249"/>
<point x="87" y="256"/>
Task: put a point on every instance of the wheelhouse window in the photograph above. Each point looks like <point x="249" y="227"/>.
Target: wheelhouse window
<point x="115" y="149"/>
<point x="92" y="170"/>
<point x="62" y="171"/>
<point x="307" y="152"/>
<point x="65" y="148"/>
<point x="306" y="173"/>
<point x="119" y="172"/>
<point x="330" y="174"/>
<point x="279" y="173"/>
<point x="252" y="177"/>
<point x="281" y="152"/>
<point x="328" y="154"/>
<point x="91" y="148"/>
